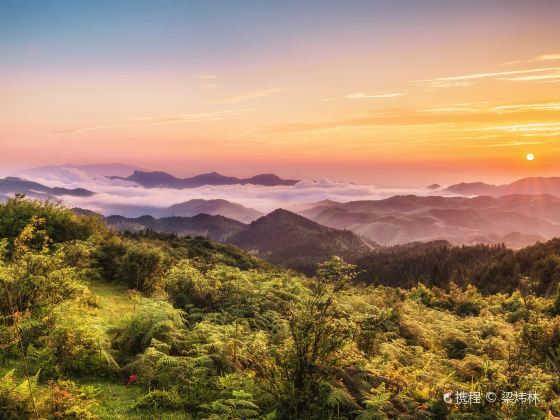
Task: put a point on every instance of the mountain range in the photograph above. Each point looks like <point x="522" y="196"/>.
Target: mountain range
<point x="516" y="220"/>
<point x="164" y="180"/>
<point x="280" y="237"/>
<point x="13" y="185"/>
<point x="526" y="186"/>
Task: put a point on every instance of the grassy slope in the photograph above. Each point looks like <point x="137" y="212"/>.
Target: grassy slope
<point x="116" y="399"/>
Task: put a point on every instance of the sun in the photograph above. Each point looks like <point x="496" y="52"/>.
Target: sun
<point x="530" y="156"/>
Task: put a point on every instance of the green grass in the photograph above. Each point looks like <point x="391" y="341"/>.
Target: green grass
<point x="114" y="302"/>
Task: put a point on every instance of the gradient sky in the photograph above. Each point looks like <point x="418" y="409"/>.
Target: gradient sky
<point x="388" y="92"/>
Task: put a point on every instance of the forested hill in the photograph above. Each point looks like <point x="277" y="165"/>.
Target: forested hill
<point x="283" y="237"/>
<point x="492" y="269"/>
<point x="97" y="325"/>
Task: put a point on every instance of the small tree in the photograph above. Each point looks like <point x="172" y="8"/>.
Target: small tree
<point x="319" y="331"/>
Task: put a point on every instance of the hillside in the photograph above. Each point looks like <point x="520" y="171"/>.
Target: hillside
<point x="286" y="238"/>
<point x="217" y="228"/>
<point x="517" y="220"/>
<point x="155" y="326"/>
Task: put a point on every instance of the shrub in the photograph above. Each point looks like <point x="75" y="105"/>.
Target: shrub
<point x="184" y="285"/>
<point x="142" y="267"/>
<point x="159" y="399"/>
<point x="70" y="401"/>
<point x="59" y="224"/>
<point x="455" y="347"/>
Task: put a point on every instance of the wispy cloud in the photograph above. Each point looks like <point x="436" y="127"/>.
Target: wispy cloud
<point x="457" y="116"/>
<point x="260" y="93"/>
<point x="545" y="57"/>
<point x="528" y="128"/>
<point x="206" y="76"/>
<point x="364" y="95"/>
<point x="542" y="57"/>
<point x="155" y="120"/>
<point x="481" y="107"/>
<point x="504" y="144"/>
<point x="477" y="76"/>
<point x="541" y="77"/>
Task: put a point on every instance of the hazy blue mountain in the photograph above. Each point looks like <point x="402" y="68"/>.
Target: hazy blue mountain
<point x="217" y="228"/>
<point x="93" y="170"/>
<point x="214" y="207"/>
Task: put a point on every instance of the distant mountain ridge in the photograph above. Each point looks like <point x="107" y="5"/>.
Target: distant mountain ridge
<point x="213" y="207"/>
<point x="157" y="179"/>
<point x="94" y="169"/>
<point x="517" y="220"/>
<point x="13" y="185"/>
<point x="526" y="186"/>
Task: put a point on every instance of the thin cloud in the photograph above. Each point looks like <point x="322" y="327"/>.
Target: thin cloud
<point x="155" y="120"/>
<point x="474" y="107"/>
<point x="260" y="93"/>
<point x="506" y="144"/>
<point x="476" y="76"/>
<point x="364" y="95"/>
<point x="546" y="57"/>
<point x="541" y="77"/>
<point x="542" y="57"/>
<point x="408" y="118"/>
<point x="206" y="76"/>
<point x="528" y="128"/>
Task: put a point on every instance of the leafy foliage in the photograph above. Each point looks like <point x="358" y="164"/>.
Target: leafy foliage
<point x="186" y="328"/>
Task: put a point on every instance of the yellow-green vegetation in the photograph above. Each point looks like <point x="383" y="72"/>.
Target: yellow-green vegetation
<point x="98" y="325"/>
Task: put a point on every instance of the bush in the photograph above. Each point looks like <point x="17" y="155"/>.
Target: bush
<point x="159" y="399"/>
<point x="142" y="267"/>
<point x="36" y="282"/>
<point x="59" y="224"/>
<point x="70" y="401"/>
<point x="184" y="285"/>
<point x="455" y="347"/>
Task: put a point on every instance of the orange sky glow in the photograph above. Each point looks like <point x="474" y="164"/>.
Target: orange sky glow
<point x="366" y="92"/>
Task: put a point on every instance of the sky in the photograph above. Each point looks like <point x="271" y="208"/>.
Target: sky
<point x="390" y="93"/>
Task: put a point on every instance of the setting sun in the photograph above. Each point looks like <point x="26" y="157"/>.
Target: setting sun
<point x="530" y="156"/>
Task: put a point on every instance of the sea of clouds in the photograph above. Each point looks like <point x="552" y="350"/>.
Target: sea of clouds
<point x="129" y="199"/>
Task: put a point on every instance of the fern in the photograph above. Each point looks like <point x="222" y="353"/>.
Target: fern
<point x="340" y="398"/>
